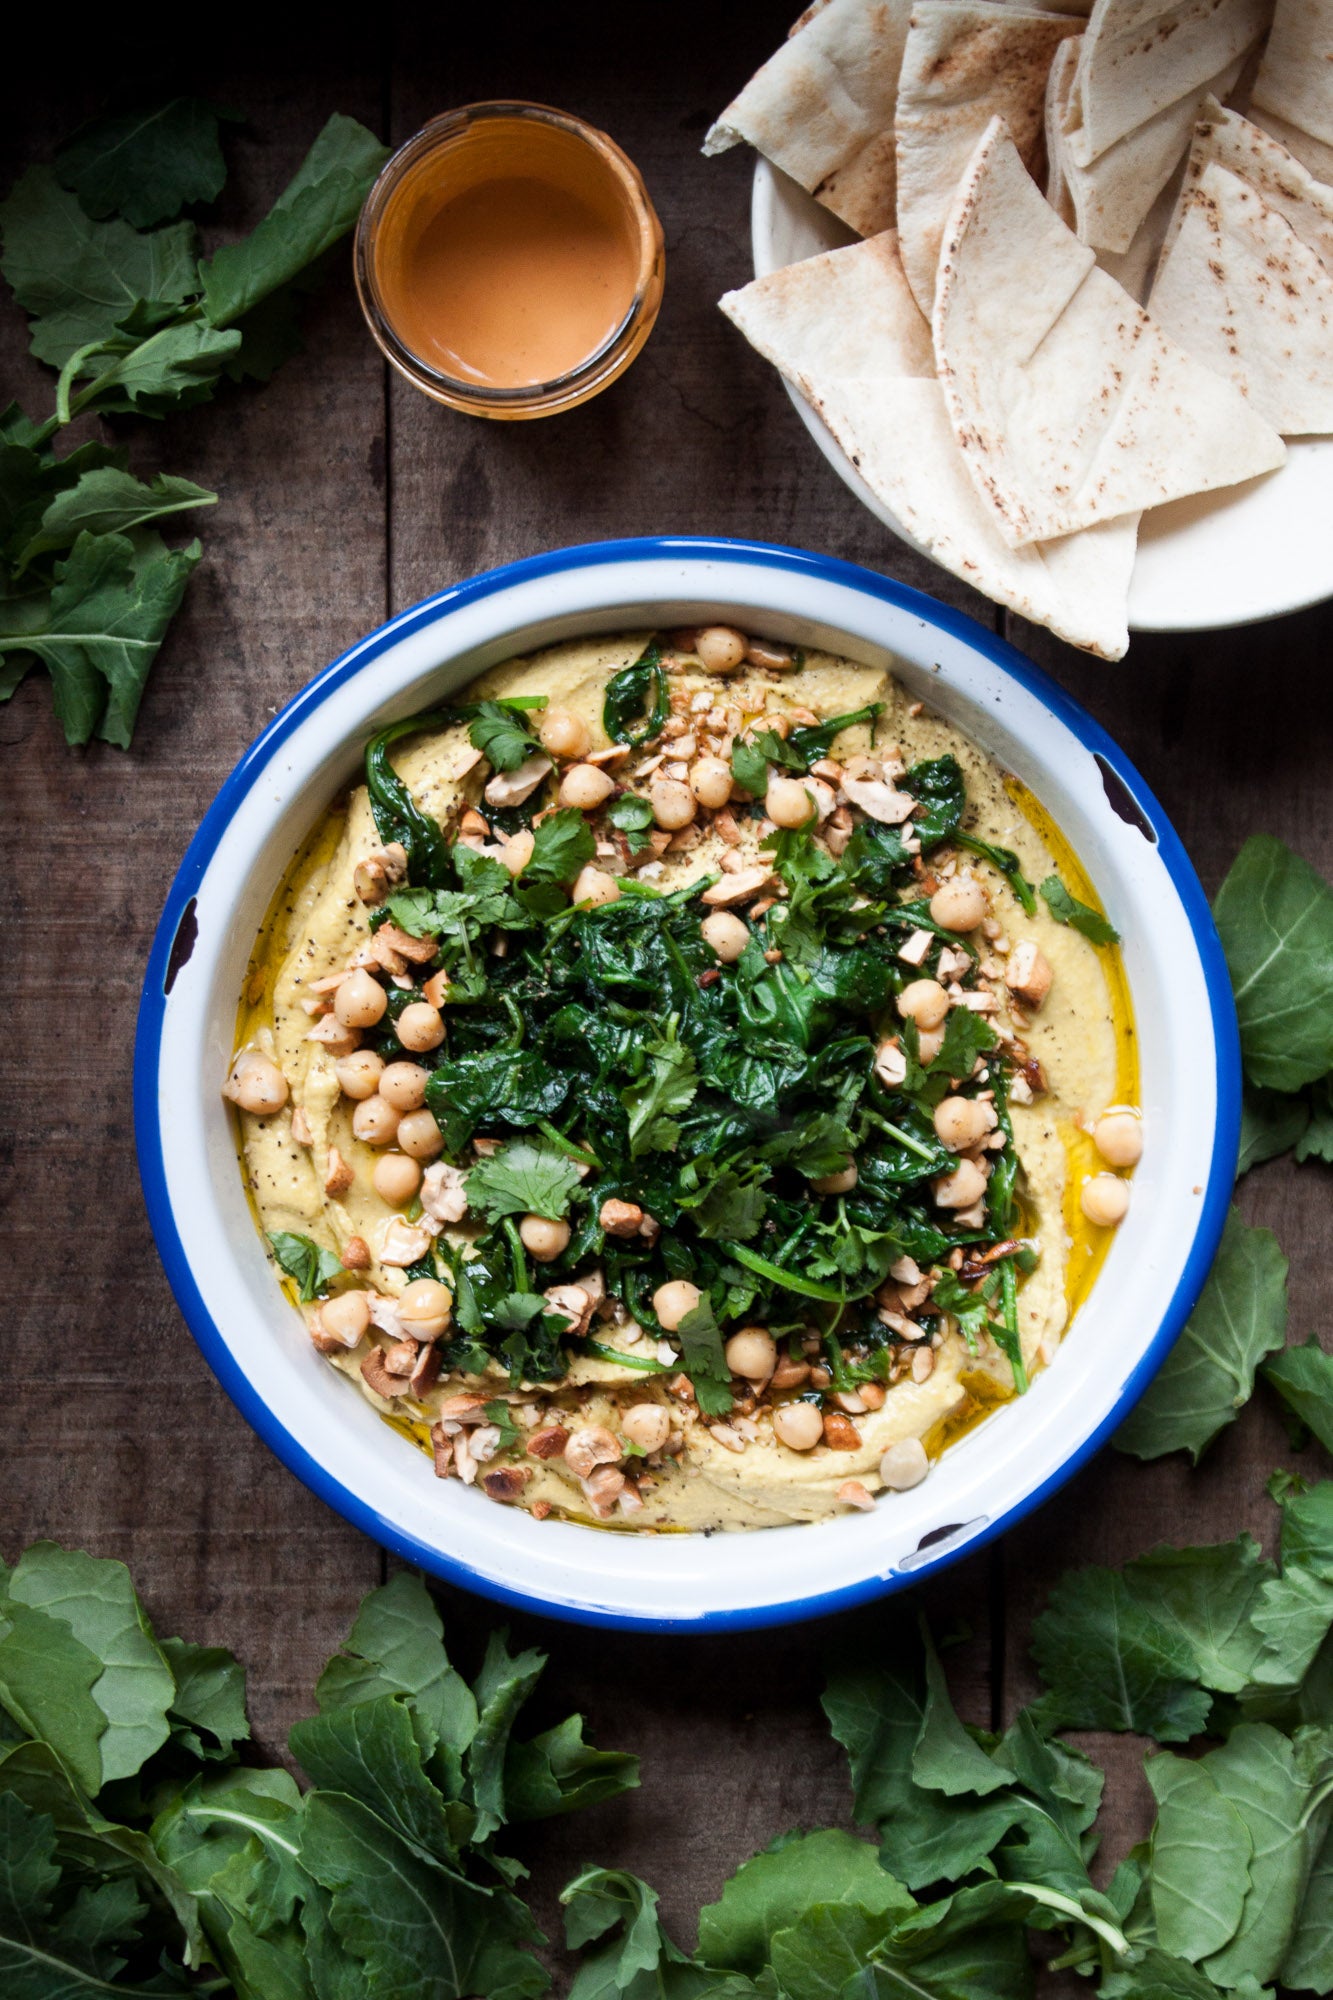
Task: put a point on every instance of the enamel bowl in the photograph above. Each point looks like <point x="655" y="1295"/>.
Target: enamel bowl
<point x="312" y="1417"/>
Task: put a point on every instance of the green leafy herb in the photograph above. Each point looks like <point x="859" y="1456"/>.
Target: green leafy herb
<point x="138" y="1855"/>
<point x="498" y="730"/>
<point x="703" y="1359"/>
<point x="1008" y="864"/>
<point x="311" y="1268"/>
<point x="398" y="817"/>
<point x="146" y="165"/>
<point x="562" y="845"/>
<point x="120" y="304"/>
<point x="1067" y="909"/>
<point x="1209" y="1374"/>
<point x="1303" y="1377"/>
<point x="1275" y="919"/>
<point x="636" y="703"/>
<point x="668" y="1085"/>
<point x="526" y="1177"/>
<point x="632" y="816"/>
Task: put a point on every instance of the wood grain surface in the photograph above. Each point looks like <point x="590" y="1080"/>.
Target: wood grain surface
<point x="344" y="497"/>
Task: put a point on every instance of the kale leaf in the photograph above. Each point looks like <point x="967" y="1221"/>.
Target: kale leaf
<point x="636" y="703"/>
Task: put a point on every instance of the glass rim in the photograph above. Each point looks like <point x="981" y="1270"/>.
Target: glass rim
<point x="575" y="382"/>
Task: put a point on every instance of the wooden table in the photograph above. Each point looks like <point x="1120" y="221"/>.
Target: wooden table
<point x="346" y="496"/>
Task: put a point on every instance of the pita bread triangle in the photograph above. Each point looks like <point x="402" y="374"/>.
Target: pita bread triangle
<point x="845" y="329"/>
<point x="1070" y="405"/>
<point x="1240" y="290"/>
<point x="821" y="108"/>
<point x="1295" y="80"/>
<point x="962" y="65"/>
<point x="1139" y="56"/>
<point x="1246" y="149"/>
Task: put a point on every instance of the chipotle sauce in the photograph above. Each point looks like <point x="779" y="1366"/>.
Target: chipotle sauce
<point x="509" y="260"/>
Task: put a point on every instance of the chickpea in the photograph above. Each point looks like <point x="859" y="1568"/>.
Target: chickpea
<point x="710" y="781"/>
<point x="959" y="905"/>
<point x="904" y="1465"/>
<point x="346" y="1316"/>
<point x="1118" y="1136"/>
<point x="674" y="804"/>
<point x="517" y="851"/>
<point x="752" y="1353"/>
<point x="420" y="1026"/>
<point x="256" y="1084"/>
<point x="1104" y="1199"/>
<point x="396" y="1178"/>
<point x="726" y="934"/>
<point x="360" y="1001"/>
<point x="672" y="1301"/>
<point x="359" y="1074"/>
<point x="966" y="1184"/>
<point x="840" y="1183"/>
<point x="720" y="647"/>
<point x="788" y="803"/>
<point x="542" y="1238"/>
<point x="425" y="1307"/>
<point x="419" y="1136"/>
<point x="925" y="1002"/>
<point x="595" y="887"/>
<point x="961" y="1122"/>
<point x="799" y="1426"/>
<point x="562" y="734"/>
<point x="403" y="1084"/>
<point x="374" y="1122"/>
<point x="585" y="786"/>
<point x="647" y="1424"/>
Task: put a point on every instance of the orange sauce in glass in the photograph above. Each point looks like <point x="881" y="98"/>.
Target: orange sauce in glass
<point x="510" y="260"/>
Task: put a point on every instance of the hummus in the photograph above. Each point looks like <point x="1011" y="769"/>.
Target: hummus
<point x="913" y="1375"/>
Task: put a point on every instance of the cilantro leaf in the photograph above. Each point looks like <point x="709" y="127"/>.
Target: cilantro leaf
<point x="311" y="1267"/>
<point x="1209" y="1374"/>
<point x="667" y="1085"/>
<point x="526" y="1177"/>
<point x="502" y="736"/>
<point x="1067" y="909"/>
<point x="147" y="164"/>
<point x="1274" y="915"/>
<point x="703" y="1360"/>
<point x="728" y="1207"/>
<point x="562" y="845"/>
<point x="632" y="816"/>
<point x="749" y="767"/>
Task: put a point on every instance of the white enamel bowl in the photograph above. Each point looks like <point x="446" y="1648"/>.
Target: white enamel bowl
<point x="1249" y="552"/>
<point x="315" y="1421"/>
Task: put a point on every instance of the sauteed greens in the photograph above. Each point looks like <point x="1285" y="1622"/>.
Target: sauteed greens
<point x="610" y="1056"/>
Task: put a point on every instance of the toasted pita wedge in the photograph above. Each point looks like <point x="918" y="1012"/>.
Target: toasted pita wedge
<point x="1139" y="56"/>
<point x="1070" y="405"/>
<point x="1234" y="142"/>
<point x="1107" y="202"/>
<point x="846" y="313"/>
<point x="821" y="108"/>
<point x="963" y="65"/>
<point x="1134" y="269"/>
<point x="1313" y="154"/>
<point x="845" y="329"/>
<point x="1295" y="80"/>
<point x="1240" y="290"/>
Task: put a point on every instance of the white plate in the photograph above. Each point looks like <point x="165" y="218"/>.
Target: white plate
<point x="1229" y="558"/>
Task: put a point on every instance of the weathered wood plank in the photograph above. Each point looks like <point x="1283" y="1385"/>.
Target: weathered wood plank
<point x="116" y="1436"/>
